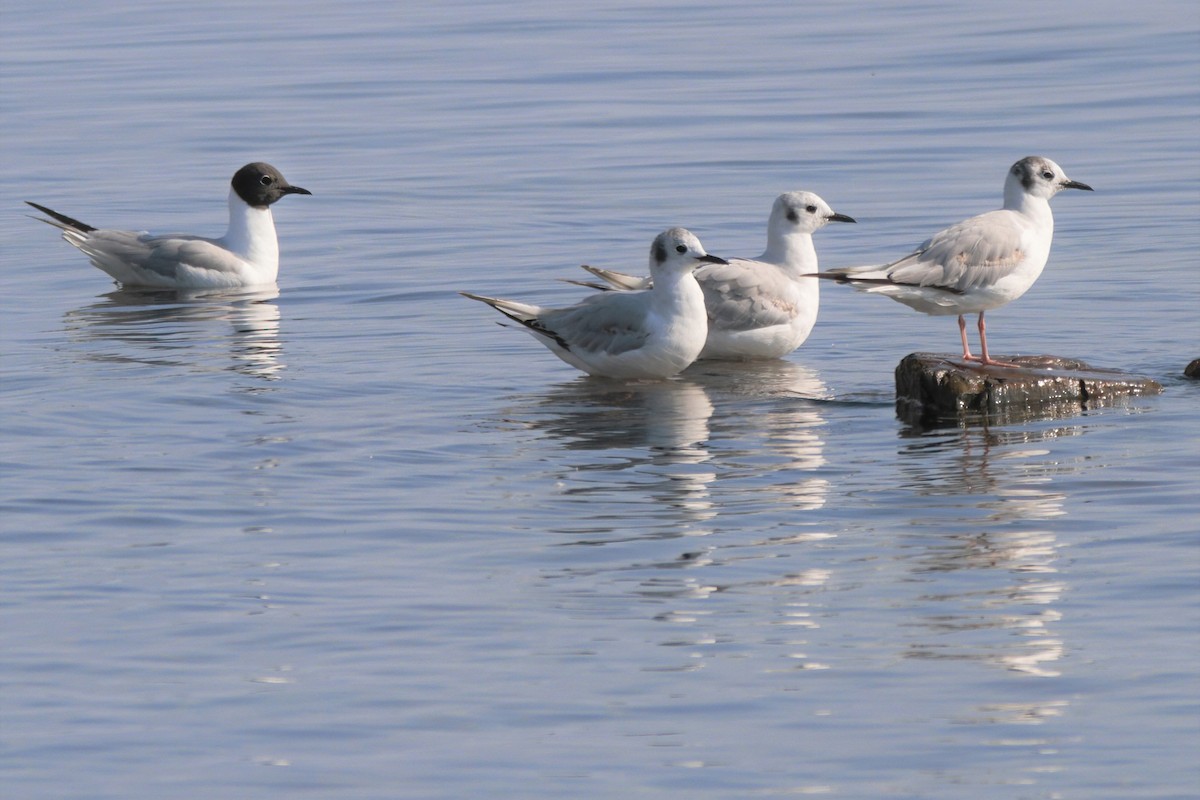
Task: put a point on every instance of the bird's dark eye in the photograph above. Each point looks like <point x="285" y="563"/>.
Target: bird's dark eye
<point x="811" y="209"/>
<point x="1048" y="175"/>
<point x="680" y="248"/>
<point x="266" y="180"/>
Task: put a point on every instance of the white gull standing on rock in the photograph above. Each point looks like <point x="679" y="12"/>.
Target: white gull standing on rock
<point x="980" y="263"/>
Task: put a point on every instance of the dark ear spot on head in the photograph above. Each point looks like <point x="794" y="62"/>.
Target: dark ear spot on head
<point x="792" y="215"/>
<point x="1026" y="171"/>
<point x="659" y="252"/>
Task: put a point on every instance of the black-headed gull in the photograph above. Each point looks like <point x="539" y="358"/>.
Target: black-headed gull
<point x="247" y="255"/>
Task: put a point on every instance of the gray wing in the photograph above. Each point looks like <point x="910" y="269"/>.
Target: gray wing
<point x="158" y="254"/>
<point x="611" y="323"/>
<point x="976" y="252"/>
<point x="744" y="295"/>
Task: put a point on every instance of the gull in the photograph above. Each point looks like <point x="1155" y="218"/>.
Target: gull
<point x="980" y="263"/>
<point x="760" y="307"/>
<point x="247" y="255"/>
<point x="653" y="333"/>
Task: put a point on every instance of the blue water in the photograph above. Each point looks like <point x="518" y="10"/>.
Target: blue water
<point x="350" y="539"/>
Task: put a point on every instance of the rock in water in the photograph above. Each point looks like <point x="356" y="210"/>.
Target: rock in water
<point x="933" y="389"/>
<point x="1192" y="370"/>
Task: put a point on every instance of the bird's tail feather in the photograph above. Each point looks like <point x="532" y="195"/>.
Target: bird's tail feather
<point x="524" y="313"/>
<point x="60" y="221"/>
<point x="616" y="280"/>
<point x="600" y="287"/>
<point x="855" y="277"/>
<point x="520" y="312"/>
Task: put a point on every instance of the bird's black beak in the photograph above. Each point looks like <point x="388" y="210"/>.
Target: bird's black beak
<point x="711" y="259"/>
<point x="289" y="189"/>
<point x="1076" y="185"/>
<point x="841" y="218"/>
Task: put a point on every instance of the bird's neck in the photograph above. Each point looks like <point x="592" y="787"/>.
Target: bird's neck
<point x="794" y="252"/>
<point x="676" y="290"/>
<point x="1015" y="199"/>
<point x="251" y="234"/>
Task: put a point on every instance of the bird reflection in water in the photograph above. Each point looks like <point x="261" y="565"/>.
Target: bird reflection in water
<point x="777" y="451"/>
<point x="991" y="493"/>
<point x="660" y="447"/>
<point x="689" y="503"/>
<point x="197" y="331"/>
<point x="638" y="441"/>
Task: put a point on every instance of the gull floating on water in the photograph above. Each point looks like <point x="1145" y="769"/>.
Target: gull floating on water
<point x="247" y="255"/>
<point x="980" y="263"/>
<point x="654" y="333"/>
<point x="761" y="307"/>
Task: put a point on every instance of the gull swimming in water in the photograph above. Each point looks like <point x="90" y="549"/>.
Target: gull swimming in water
<point x="760" y="307"/>
<point x="654" y="333"/>
<point x="247" y="255"/>
<point x="982" y="262"/>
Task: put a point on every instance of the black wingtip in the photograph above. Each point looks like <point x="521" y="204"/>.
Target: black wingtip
<point x="842" y="277"/>
<point x="599" y="287"/>
<point x="62" y="218"/>
<point x="531" y="324"/>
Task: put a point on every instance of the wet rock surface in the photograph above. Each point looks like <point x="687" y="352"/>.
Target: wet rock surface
<point x="934" y="389"/>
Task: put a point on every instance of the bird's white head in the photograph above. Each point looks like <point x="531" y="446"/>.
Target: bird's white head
<point x="1036" y="176"/>
<point x="801" y="212"/>
<point x="677" y="251"/>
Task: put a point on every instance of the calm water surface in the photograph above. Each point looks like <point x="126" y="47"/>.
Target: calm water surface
<point x="349" y="539"/>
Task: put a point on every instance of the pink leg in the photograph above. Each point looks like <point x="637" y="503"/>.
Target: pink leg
<point x="983" y="340"/>
<point x="962" y="331"/>
<point x="987" y="359"/>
